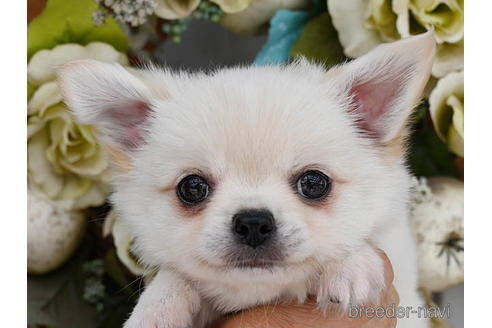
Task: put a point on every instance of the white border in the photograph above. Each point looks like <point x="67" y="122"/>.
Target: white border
<point x="478" y="167"/>
<point x="478" y="185"/>
<point x="13" y="160"/>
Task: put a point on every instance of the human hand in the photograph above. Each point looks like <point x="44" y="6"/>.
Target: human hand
<point x="308" y="315"/>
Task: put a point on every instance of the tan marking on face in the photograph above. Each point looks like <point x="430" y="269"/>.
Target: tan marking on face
<point x="333" y="73"/>
<point x="183" y="210"/>
<point x="186" y="210"/>
<point x="189" y="211"/>
<point x="158" y="90"/>
<point x="310" y="216"/>
<point x="196" y="226"/>
<point x="395" y="149"/>
<point x="310" y="210"/>
<point x="118" y="157"/>
<point x="324" y="203"/>
<point x="168" y="188"/>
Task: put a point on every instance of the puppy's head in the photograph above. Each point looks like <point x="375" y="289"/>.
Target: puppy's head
<point x="258" y="172"/>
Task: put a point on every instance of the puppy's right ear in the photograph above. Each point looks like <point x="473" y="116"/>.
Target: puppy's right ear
<point x="111" y="99"/>
<point x="384" y="86"/>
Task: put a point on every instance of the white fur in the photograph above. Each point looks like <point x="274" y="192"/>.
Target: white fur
<point x="250" y="128"/>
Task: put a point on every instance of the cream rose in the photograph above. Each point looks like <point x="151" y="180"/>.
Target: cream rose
<point x="175" y="9"/>
<point x="447" y="19"/>
<point x="362" y="25"/>
<point x="65" y="162"/>
<point x="232" y="6"/>
<point x="256" y="17"/>
<point x="446" y="105"/>
<point x="446" y="16"/>
<point x="123" y="241"/>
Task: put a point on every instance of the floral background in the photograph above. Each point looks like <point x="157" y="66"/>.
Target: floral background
<point x="80" y="263"/>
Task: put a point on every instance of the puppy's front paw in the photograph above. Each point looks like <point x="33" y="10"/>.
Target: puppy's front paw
<point x="160" y="315"/>
<point x="168" y="303"/>
<point x="357" y="280"/>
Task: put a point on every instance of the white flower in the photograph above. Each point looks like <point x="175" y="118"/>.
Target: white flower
<point x="174" y="9"/>
<point x="65" y="162"/>
<point x="350" y="17"/>
<point x="233" y="6"/>
<point x="123" y="241"/>
<point x="131" y="11"/>
<point x="52" y="233"/>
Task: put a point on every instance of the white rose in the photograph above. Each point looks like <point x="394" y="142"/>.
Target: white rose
<point x="65" y="162"/>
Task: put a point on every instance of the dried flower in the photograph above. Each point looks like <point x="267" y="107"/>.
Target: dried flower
<point x="436" y="218"/>
<point x="94" y="289"/>
<point x="133" y="12"/>
<point x="99" y="17"/>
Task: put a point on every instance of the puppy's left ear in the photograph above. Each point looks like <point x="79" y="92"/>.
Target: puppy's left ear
<point x="116" y="102"/>
<point x="385" y="85"/>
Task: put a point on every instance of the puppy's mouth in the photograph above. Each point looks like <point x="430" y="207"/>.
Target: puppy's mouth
<point x="254" y="264"/>
<point x="263" y="257"/>
<point x="266" y="259"/>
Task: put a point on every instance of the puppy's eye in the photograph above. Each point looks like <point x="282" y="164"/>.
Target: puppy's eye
<point x="193" y="189"/>
<point x="313" y="185"/>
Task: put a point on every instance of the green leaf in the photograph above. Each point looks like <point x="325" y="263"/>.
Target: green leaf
<point x="420" y="112"/>
<point x="428" y="154"/>
<point x="319" y="42"/>
<point x="55" y="298"/>
<point x="122" y="293"/>
<point x="113" y="268"/>
<point x="30" y="90"/>
<point x="70" y="21"/>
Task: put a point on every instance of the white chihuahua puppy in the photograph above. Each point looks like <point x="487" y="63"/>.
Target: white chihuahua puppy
<point x="255" y="185"/>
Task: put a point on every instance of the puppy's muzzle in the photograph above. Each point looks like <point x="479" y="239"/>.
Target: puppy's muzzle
<point x="253" y="227"/>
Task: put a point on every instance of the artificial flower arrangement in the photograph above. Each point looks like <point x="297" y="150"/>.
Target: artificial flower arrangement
<point x="79" y="257"/>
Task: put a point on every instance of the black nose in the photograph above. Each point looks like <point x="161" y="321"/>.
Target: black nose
<point x="253" y="227"/>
